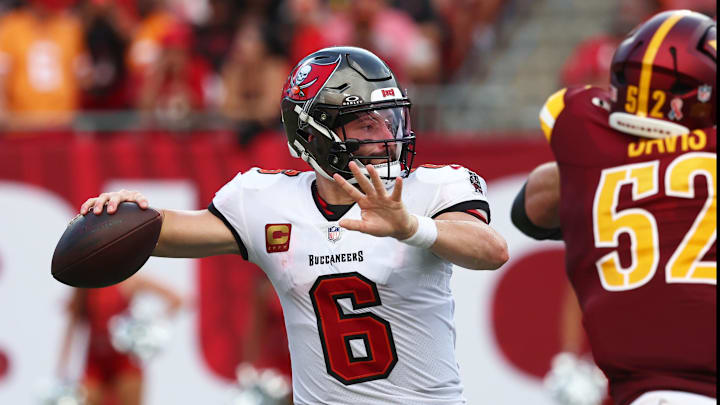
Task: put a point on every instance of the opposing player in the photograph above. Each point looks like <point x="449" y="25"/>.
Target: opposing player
<point x="633" y="194"/>
<point x="363" y="270"/>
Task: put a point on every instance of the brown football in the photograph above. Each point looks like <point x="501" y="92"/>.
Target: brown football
<point x="102" y="250"/>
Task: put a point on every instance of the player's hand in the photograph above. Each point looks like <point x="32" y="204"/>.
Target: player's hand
<point x="112" y="199"/>
<point x="382" y="214"/>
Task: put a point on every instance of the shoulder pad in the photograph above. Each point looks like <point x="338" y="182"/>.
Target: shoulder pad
<point x="439" y="174"/>
<point x="577" y="98"/>
<point x="257" y="178"/>
<point x="550" y="111"/>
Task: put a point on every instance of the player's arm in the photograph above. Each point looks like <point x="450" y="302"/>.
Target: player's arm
<point x="469" y="242"/>
<point x="183" y="233"/>
<point x="194" y="234"/>
<point x="535" y="209"/>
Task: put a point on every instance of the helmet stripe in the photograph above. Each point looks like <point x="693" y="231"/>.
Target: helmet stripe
<point x="649" y="58"/>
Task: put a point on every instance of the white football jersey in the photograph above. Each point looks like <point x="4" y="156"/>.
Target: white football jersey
<point x="369" y="320"/>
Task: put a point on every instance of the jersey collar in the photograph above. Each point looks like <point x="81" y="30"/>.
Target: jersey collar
<point x="329" y="211"/>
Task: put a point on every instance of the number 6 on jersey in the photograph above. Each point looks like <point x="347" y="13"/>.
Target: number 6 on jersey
<point x="341" y="333"/>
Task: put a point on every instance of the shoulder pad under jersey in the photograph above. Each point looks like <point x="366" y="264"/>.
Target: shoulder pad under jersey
<point x="257" y="178"/>
<point x="439" y="174"/>
<point x="579" y="100"/>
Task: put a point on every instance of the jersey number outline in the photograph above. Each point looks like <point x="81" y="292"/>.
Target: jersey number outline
<point x="337" y="329"/>
<point x="684" y="265"/>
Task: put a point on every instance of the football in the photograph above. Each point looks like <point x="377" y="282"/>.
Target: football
<point x="102" y="250"/>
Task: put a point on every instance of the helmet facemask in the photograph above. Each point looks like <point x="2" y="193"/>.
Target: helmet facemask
<point x="377" y="134"/>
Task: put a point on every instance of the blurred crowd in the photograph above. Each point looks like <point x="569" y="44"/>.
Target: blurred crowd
<point x="590" y="62"/>
<point x="164" y="60"/>
<point x="168" y="58"/>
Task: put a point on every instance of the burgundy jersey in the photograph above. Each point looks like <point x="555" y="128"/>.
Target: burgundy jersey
<point x="638" y="217"/>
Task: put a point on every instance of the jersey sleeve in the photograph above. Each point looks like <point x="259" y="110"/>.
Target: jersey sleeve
<point x="228" y="205"/>
<point x="458" y="190"/>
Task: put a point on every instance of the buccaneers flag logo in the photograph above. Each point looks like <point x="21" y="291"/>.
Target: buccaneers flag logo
<point x="307" y="79"/>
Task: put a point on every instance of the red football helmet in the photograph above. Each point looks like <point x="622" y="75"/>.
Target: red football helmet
<point x="663" y="76"/>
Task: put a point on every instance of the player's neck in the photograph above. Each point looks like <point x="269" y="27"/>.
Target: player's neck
<point x="331" y="192"/>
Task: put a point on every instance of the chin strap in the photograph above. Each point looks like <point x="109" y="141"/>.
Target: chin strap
<point x="645" y="127"/>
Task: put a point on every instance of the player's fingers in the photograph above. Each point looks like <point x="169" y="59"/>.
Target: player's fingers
<point x="100" y="203"/>
<point x="114" y="200"/>
<point x="126" y="195"/>
<point x="376" y="182"/>
<point x="363" y="182"/>
<point x="87" y="205"/>
<point x="352" y="224"/>
<point x="141" y="200"/>
<point x="354" y="193"/>
<point x="397" y="191"/>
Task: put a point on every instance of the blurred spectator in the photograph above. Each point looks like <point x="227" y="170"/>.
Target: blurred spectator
<point x="109" y="374"/>
<point x="590" y="62"/>
<point x="307" y="19"/>
<point x="214" y="38"/>
<point x="431" y="27"/>
<point x="146" y="43"/>
<point x="42" y="65"/>
<point x="390" y="33"/>
<point x="107" y="26"/>
<point x="253" y="78"/>
<point x="7" y="5"/>
<point x="471" y="25"/>
<point x="707" y="7"/>
<point x="266" y="10"/>
<point x="174" y="86"/>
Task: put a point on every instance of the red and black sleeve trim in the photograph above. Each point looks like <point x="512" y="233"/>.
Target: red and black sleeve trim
<point x="477" y="208"/>
<point x="241" y="245"/>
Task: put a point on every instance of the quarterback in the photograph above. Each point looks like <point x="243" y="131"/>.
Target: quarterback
<point x="633" y="194"/>
<point x="360" y="249"/>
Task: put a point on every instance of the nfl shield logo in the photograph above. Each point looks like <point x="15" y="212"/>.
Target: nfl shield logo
<point x="704" y="93"/>
<point x="334" y="233"/>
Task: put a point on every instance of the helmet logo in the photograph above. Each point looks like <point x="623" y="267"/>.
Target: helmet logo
<point x="297" y="82"/>
<point x="704" y="93"/>
<point x="302" y="74"/>
<point x="308" y="79"/>
<point x="352" y="100"/>
<point x="676" y="106"/>
<point x="388" y="93"/>
<point x="613" y="93"/>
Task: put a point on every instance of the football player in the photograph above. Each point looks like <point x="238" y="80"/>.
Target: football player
<point x="632" y="192"/>
<point x="360" y="250"/>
